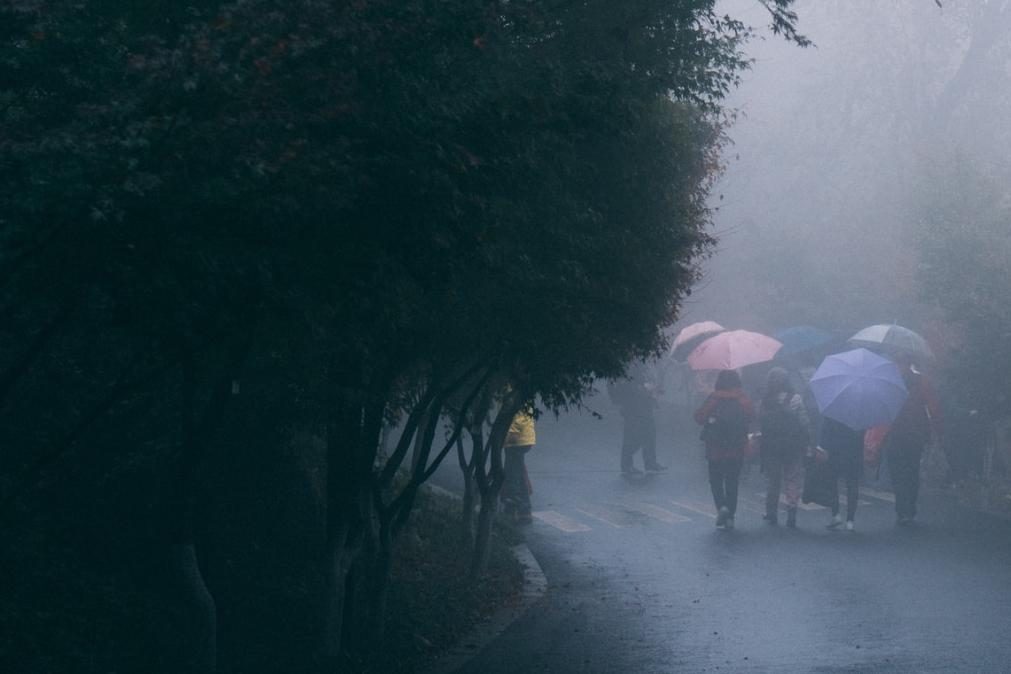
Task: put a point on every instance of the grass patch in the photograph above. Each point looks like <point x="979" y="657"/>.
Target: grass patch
<point x="432" y="603"/>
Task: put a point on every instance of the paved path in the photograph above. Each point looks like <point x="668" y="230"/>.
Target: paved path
<point x="641" y="581"/>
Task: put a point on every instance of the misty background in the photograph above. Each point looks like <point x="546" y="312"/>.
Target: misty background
<point x="864" y="182"/>
<point x="847" y="157"/>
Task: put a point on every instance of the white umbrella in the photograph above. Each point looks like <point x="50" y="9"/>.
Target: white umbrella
<point x="893" y="339"/>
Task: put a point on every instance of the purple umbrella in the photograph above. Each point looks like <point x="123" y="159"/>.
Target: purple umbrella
<point x="859" y="388"/>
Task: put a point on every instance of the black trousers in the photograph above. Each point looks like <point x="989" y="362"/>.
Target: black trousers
<point x="723" y="478"/>
<point x="904" y="467"/>
<point x="852" y="494"/>
<point x="515" y="494"/>
<point x="638" y="433"/>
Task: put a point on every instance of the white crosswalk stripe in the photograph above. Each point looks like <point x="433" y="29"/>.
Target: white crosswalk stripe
<point x="622" y="515"/>
<point x="611" y="515"/>
<point x="658" y="513"/>
<point x="560" y="521"/>
<point x="875" y="493"/>
<point x="695" y="506"/>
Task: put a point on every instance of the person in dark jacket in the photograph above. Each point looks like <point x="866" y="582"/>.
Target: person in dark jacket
<point x="725" y="416"/>
<point x="785" y="439"/>
<point x="845" y="448"/>
<point x="636" y="400"/>
<point x="919" y="418"/>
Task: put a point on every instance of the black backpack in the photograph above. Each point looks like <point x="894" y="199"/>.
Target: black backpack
<point x="727" y="425"/>
<point x="782" y="431"/>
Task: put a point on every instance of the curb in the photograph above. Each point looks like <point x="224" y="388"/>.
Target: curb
<point x="535" y="584"/>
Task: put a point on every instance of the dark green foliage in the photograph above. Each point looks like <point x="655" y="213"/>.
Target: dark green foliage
<point x="257" y="219"/>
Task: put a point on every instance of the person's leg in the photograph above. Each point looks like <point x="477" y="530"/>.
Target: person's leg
<point x="628" y="443"/>
<point x="524" y="489"/>
<point x="793" y="485"/>
<point x="716" y="484"/>
<point x="900" y="468"/>
<point x="732" y="473"/>
<point x="835" y="494"/>
<point x="852" y="495"/>
<point x="648" y="442"/>
<point x="836" y="520"/>
<point x="512" y="480"/>
<point x="774" y="480"/>
<point x="914" y="480"/>
<point x="793" y="482"/>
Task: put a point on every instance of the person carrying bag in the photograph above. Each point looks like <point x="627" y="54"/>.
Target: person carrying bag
<point x="725" y="417"/>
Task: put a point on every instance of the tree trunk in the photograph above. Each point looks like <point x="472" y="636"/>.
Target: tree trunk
<point x="352" y="442"/>
<point x="469" y="487"/>
<point x="338" y="562"/>
<point x="340" y="519"/>
<point x="418" y="454"/>
<point x="490" y="483"/>
<point x="485" y="519"/>
<point x="199" y="625"/>
<point x="379" y="588"/>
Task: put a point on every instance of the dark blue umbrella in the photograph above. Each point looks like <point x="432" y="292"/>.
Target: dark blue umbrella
<point x="801" y="338"/>
<point x="859" y="388"/>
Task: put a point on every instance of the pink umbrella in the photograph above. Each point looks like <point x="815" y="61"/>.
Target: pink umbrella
<point x="733" y="349"/>
<point x="692" y="336"/>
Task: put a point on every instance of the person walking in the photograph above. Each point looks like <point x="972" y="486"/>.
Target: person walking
<point x="845" y="448"/>
<point x="725" y="416"/>
<point x="919" y="418"/>
<point x="635" y="397"/>
<point x="521" y="439"/>
<point x="785" y="439"/>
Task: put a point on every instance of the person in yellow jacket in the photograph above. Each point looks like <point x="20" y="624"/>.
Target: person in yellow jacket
<point x="516" y="487"/>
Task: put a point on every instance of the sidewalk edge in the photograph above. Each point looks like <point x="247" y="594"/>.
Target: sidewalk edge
<point x="535" y="584"/>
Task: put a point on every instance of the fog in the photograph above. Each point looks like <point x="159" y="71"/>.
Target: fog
<point x="837" y="151"/>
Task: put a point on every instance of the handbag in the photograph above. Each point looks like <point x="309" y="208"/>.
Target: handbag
<point x="819" y="483"/>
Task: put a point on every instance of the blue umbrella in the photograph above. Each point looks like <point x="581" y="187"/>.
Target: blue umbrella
<point x="859" y="388"/>
<point x="801" y="338"/>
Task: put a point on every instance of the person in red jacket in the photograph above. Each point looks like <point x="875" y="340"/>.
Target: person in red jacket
<point x="919" y="418"/>
<point x="725" y="417"/>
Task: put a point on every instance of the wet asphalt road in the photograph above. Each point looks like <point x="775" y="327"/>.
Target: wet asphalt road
<point x="640" y="580"/>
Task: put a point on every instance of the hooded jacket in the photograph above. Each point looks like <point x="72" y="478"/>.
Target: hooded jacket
<point x="713" y="451"/>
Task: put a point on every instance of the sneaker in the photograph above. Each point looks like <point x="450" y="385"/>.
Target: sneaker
<point x="656" y="468"/>
<point x="835" y="523"/>
<point x="631" y="470"/>
<point x="849" y="525"/>
<point x="729" y="524"/>
<point x="722" y="516"/>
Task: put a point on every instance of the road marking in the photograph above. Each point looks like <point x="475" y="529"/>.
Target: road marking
<point x="800" y="504"/>
<point x="560" y="521"/>
<point x="612" y="517"/>
<point x="656" y="512"/>
<point x="696" y="507"/>
<point x="874" y="493"/>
